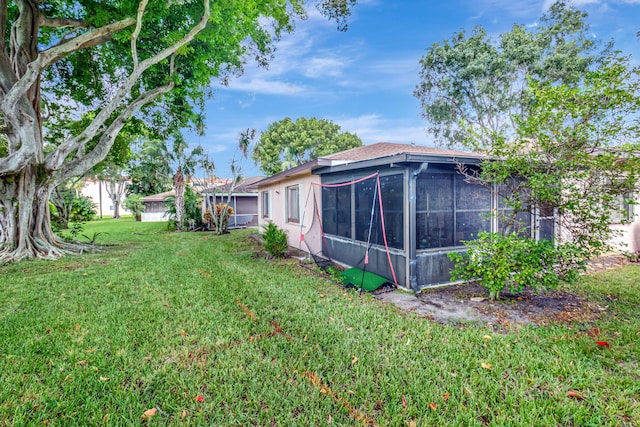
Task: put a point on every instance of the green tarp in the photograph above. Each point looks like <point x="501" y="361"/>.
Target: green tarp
<point x="368" y="281"/>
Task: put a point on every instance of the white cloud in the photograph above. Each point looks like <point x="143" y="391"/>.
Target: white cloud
<point x="324" y="67"/>
<point x="267" y="87"/>
<point x="372" y="128"/>
<point x="577" y="3"/>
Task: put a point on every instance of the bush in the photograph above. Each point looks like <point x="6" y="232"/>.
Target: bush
<point x="83" y="209"/>
<point x="275" y="240"/>
<point x="497" y="261"/>
<point x="135" y="205"/>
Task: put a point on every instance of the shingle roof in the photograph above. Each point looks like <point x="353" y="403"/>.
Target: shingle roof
<point x="160" y="197"/>
<point x="384" y="149"/>
<point x="244" y="186"/>
<point x="366" y="152"/>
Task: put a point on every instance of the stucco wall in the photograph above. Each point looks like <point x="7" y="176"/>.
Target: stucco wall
<point x="154" y="217"/>
<point x="96" y="190"/>
<point x="278" y="213"/>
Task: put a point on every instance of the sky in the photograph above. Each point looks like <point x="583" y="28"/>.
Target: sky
<point x="363" y="79"/>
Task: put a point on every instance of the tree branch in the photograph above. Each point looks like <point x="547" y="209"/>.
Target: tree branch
<point x="51" y="55"/>
<point x="57" y="157"/>
<point x="79" y="166"/>
<point x="136" y="32"/>
<point x="61" y="22"/>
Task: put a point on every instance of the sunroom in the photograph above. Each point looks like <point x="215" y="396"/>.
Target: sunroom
<point x="428" y="209"/>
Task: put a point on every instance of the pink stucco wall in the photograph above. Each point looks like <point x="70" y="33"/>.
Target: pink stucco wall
<point x="278" y="213"/>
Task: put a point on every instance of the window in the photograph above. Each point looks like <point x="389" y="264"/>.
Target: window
<point x="622" y="209"/>
<point x="513" y="195"/>
<point x="434" y="210"/>
<point x="265" y="204"/>
<point x="449" y="209"/>
<point x="293" y="204"/>
<point x="392" y="193"/>
<point x="336" y="210"/>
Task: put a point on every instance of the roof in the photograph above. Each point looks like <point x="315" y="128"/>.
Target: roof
<point x="246" y="185"/>
<point x="386" y="149"/>
<point x="375" y="151"/>
<point x="160" y="197"/>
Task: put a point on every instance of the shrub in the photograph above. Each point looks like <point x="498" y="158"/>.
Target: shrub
<point x="135" y="205"/>
<point x="83" y="209"/>
<point x="275" y="240"/>
<point x="498" y="261"/>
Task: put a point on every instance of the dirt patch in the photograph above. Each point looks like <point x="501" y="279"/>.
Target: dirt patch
<point x="469" y="303"/>
<point x="523" y="308"/>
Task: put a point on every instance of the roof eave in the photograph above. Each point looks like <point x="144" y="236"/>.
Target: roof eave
<point x="401" y="158"/>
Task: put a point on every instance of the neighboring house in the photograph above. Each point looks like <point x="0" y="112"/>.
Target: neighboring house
<point x="155" y="206"/>
<point x="243" y="200"/>
<point x="626" y="224"/>
<point x="429" y="209"/>
<point x="96" y="190"/>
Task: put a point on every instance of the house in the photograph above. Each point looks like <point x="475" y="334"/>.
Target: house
<point x="155" y="206"/>
<point x="330" y="207"/>
<point x="243" y="199"/>
<point x="625" y="222"/>
<point x="98" y="191"/>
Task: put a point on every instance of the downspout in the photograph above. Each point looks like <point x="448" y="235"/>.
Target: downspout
<point x="412" y="260"/>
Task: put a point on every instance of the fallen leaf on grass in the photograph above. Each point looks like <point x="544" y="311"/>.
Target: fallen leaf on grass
<point x="204" y="273"/>
<point x="404" y="401"/>
<point x="433" y="406"/>
<point x="184" y="333"/>
<point x="486" y="365"/>
<point x="149" y="413"/>
<point x="354" y="360"/>
<point x="106" y="417"/>
<point x="104" y="378"/>
<point x="603" y="344"/>
<point x="411" y="423"/>
<point x="446" y="396"/>
<point x="82" y="362"/>
<point x="200" y="398"/>
<point x="575" y="395"/>
<point x="183" y="414"/>
<point x="487" y="338"/>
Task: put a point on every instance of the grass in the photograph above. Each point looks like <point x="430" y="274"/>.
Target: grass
<point x="161" y="318"/>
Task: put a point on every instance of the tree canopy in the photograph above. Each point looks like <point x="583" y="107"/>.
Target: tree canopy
<point x="118" y="60"/>
<point x="472" y="86"/>
<point x="287" y="143"/>
<point x="557" y="117"/>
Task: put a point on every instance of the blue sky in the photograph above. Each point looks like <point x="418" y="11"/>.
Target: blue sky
<point x="363" y="79"/>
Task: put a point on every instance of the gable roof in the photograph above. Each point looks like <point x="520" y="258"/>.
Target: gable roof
<point x="364" y="153"/>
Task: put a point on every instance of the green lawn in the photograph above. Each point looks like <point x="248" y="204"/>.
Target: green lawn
<point x="161" y="318"/>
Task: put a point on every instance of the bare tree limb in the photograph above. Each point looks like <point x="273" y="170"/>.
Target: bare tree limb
<point x="56" y="158"/>
<point x="79" y="166"/>
<point x="136" y="32"/>
<point x="49" y="56"/>
<point x="61" y="22"/>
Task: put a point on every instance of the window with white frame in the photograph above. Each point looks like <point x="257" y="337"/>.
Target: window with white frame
<point x="266" y="213"/>
<point x="293" y="204"/>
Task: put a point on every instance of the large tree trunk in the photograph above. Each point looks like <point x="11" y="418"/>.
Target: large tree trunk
<point x="25" y="222"/>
